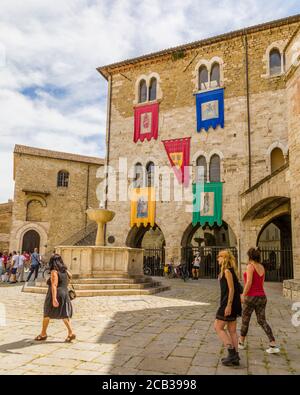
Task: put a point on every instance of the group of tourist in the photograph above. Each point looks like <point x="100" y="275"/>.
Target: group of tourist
<point x="237" y="301"/>
<point x="14" y="265"/>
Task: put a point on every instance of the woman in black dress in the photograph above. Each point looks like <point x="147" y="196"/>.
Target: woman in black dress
<point x="230" y="307"/>
<point x="57" y="303"/>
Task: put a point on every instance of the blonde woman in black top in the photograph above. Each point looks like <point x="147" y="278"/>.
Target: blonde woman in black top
<point x="230" y="307"/>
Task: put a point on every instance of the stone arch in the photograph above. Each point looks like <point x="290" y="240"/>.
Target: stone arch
<point x="191" y="230"/>
<point x="31" y="240"/>
<point x="35" y="211"/>
<point x="280" y="45"/>
<point x="39" y="229"/>
<point x="147" y="78"/>
<point x="136" y="234"/>
<point x="38" y="198"/>
<point x="208" y="64"/>
<point x="221" y="156"/>
<point x="277" y="144"/>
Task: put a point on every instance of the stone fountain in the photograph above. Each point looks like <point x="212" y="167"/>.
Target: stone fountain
<point x="101" y="217"/>
<point x="101" y="270"/>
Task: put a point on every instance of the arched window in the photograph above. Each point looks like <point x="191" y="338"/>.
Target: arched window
<point x="215" y="74"/>
<point x="143" y="92"/>
<point x="63" y="179"/>
<point x="150" y="174"/>
<point x="277" y="159"/>
<point x="201" y="169"/>
<point x="203" y="78"/>
<point x="138" y="181"/>
<point x="152" y="89"/>
<point x="275" y="62"/>
<point x="215" y="169"/>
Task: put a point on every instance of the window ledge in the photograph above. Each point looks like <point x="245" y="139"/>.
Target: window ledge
<point x="196" y="92"/>
<point x="273" y="76"/>
<point x="146" y="103"/>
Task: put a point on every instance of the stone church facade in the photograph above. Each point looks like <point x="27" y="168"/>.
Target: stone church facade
<point x="257" y="151"/>
<point x="52" y="192"/>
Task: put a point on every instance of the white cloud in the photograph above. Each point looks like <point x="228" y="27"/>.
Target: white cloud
<point x="51" y="48"/>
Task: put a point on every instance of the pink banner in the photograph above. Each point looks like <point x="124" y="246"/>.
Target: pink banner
<point x="178" y="152"/>
<point x="146" y="122"/>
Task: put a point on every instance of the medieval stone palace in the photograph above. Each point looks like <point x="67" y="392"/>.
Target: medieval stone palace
<point x="229" y="106"/>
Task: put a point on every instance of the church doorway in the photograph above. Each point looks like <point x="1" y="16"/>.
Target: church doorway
<point x="275" y="242"/>
<point x="31" y="240"/>
<point x="152" y="240"/>
<point x="208" y="242"/>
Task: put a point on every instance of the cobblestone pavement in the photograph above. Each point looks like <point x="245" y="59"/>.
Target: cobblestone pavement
<point x="167" y="333"/>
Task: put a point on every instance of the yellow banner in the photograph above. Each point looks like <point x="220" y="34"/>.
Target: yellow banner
<point x="142" y="207"/>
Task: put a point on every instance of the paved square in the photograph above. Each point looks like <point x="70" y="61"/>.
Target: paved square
<point x="168" y="333"/>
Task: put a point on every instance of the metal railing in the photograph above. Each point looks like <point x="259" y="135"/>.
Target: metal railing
<point x="209" y="267"/>
<point x="154" y="260"/>
<point x="278" y="264"/>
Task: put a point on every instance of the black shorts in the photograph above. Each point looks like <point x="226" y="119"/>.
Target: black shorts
<point x="196" y="267"/>
<point x="14" y="271"/>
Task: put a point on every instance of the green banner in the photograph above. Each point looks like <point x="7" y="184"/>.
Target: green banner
<point x="208" y="203"/>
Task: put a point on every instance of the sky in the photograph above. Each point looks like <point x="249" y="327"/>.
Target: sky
<point x="51" y="95"/>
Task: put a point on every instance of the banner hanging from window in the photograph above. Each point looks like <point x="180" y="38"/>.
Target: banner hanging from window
<point x="208" y="204"/>
<point x="178" y="152"/>
<point x="146" y="122"/>
<point x="142" y="207"/>
<point x="210" y="109"/>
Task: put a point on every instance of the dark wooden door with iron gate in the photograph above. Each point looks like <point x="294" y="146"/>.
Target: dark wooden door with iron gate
<point x="209" y="267"/>
<point x="278" y="264"/>
<point x="154" y="260"/>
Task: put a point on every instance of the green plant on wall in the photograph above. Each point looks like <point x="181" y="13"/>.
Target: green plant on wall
<point x="178" y="55"/>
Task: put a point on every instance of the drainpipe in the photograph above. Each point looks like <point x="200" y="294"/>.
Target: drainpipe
<point x="108" y="126"/>
<point x="87" y="193"/>
<point x="248" y="111"/>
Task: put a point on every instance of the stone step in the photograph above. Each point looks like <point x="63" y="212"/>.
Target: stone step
<point x="104" y="292"/>
<point x="111" y="280"/>
<point x="106" y="286"/>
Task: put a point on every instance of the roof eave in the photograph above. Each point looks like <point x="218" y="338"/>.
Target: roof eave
<point x="104" y="70"/>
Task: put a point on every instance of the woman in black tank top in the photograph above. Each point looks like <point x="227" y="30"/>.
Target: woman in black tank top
<point x="230" y="307"/>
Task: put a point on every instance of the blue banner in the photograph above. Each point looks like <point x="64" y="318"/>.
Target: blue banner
<point x="210" y="109"/>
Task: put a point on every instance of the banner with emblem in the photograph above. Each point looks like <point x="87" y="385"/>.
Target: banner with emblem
<point x="208" y="204"/>
<point x="210" y="109"/>
<point x="146" y="122"/>
<point x="178" y="152"/>
<point x="142" y="207"/>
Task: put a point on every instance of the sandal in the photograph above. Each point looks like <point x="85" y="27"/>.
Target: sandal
<point x="40" y="338"/>
<point x="70" y="338"/>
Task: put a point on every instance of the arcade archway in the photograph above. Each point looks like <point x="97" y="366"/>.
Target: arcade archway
<point x="31" y="240"/>
<point x="207" y="241"/>
<point x="275" y="242"/>
<point x="152" y="240"/>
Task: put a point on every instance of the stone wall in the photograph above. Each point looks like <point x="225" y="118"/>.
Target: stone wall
<point x="5" y="225"/>
<point x="177" y="84"/>
<point x="56" y="213"/>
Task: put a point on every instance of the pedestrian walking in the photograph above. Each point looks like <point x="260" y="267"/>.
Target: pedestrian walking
<point x="35" y="264"/>
<point x="230" y="307"/>
<point x="196" y="266"/>
<point x="14" y="268"/>
<point x="21" y="268"/>
<point x="57" y="303"/>
<point x="254" y="299"/>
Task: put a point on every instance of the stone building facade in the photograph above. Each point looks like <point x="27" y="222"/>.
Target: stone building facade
<point x="52" y="192"/>
<point x="5" y="224"/>
<point x="258" y="148"/>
